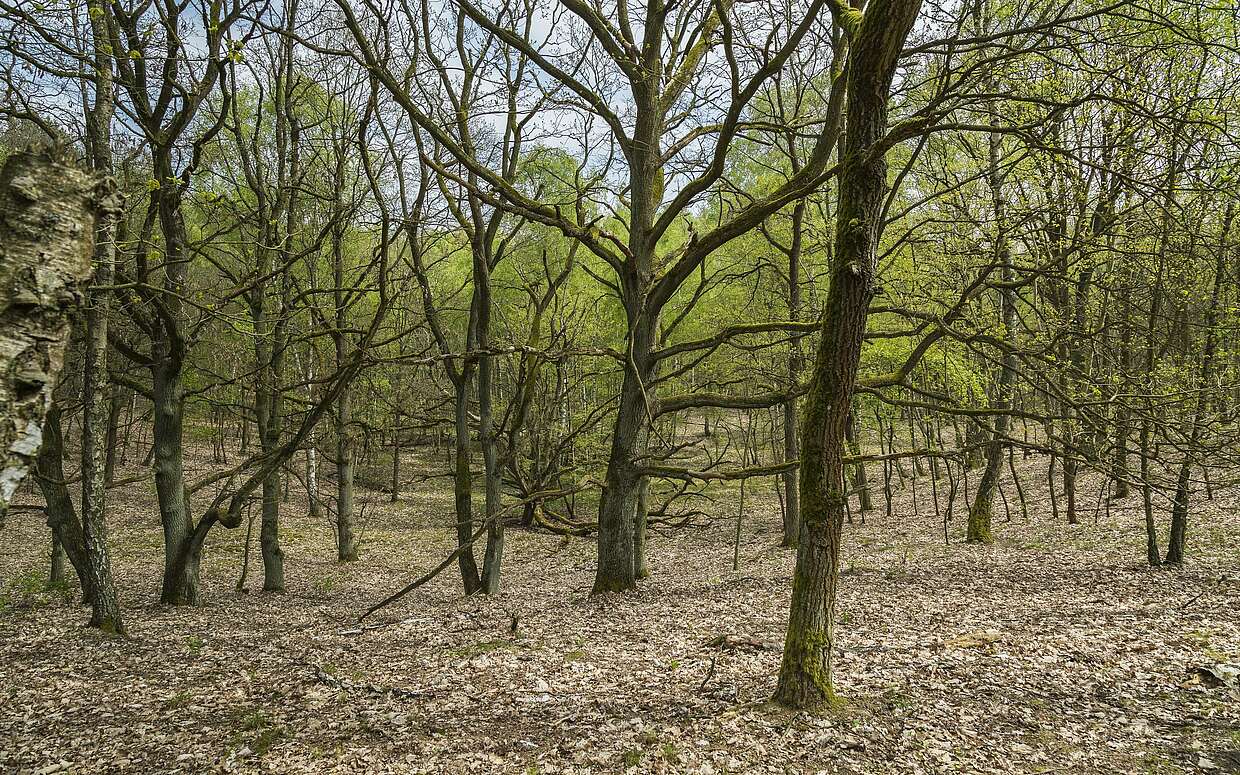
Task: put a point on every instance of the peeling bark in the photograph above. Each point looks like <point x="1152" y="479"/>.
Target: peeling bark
<point x="47" y="213"/>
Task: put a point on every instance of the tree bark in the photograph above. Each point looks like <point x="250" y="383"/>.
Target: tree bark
<point x="346" y="538"/>
<point x="493" y="557"/>
<point x="641" y="523"/>
<point x="180" y="582"/>
<point x="462" y="484"/>
<point x="47" y="215"/>
<point x="61" y="514"/>
<point x="105" y="608"/>
<point x="96" y="421"/>
<point x="876" y="39"/>
<point x="616" y="566"/>
<point x="791" y="478"/>
<point x="981" y="515"/>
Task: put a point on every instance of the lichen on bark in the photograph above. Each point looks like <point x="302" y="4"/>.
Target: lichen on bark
<point x="47" y="212"/>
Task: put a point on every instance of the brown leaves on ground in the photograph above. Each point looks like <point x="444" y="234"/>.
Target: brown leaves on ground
<point x="1053" y="650"/>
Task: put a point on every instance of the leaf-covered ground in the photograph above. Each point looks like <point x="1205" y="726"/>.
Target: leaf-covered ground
<point x="1054" y="650"/>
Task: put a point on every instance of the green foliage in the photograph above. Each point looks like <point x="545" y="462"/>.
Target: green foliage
<point x="30" y="589"/>
<point x="179" y="700"/>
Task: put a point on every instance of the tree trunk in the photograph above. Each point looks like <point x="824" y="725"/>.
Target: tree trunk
<point x="180" y="582"/>
<point x="876" y="38"/>
<point x="268" y="412"/>
<point x="462" y="485"/>
<point x="395" y="496"/>
<point x="168" y="351"/>
<point x="114" y="440"/>
<point x="346" y="539"/>
<point x="1179" y="515"/>
<point x="493" y="558"/>
<point x="47" y="213"/>
<point x="616" y="564"/>
<point x="269" y="531"/>
<point x="59" y="509"/>
<point x="1183" y="491"/>
<point x="981" y="515"/>
<point x="861" y="480"/>
<point x="1152" y="554"/>
<point x="641" y="520"/>
<point x="312" y="455"/>
<point x="105" y="608"/>
<point x="1069" y="484"/>
<point x="97" y="416"/>
<point x="56" y="566"/>
<point x="791" y="478"/>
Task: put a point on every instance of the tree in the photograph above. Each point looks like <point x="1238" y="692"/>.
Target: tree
<point x="875" y="40"/>
<point x="663" y="72"/>
<point x="105" y="611"/>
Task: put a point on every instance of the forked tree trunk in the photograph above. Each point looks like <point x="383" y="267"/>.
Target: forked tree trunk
<point x="168" y="353"/>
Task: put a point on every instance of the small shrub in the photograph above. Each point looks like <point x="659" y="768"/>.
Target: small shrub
<point x="670" y="753"/>
<point x="267" y="738"/>
<point x="254" y="721"/>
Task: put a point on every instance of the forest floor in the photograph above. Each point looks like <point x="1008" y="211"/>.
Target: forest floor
<point x="1054" y="650"/>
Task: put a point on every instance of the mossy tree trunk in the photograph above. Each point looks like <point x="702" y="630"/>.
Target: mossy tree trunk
<point x="875" y="40"/>
<point x="641" y="524"/>
<point x="981" y="515"/>
<point x="61" y="513"/>
<point x="346" y="535"/>
<point x="1178" y="535"/>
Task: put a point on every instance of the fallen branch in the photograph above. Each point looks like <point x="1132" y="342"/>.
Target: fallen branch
<point x="441" y="567"/>
<point x="1221" y="580"/>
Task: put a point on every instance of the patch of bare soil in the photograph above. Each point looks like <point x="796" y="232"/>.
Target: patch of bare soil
<point x="1053" y="650"/>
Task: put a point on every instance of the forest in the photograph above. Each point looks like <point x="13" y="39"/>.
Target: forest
<point x="608" y="386"/>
